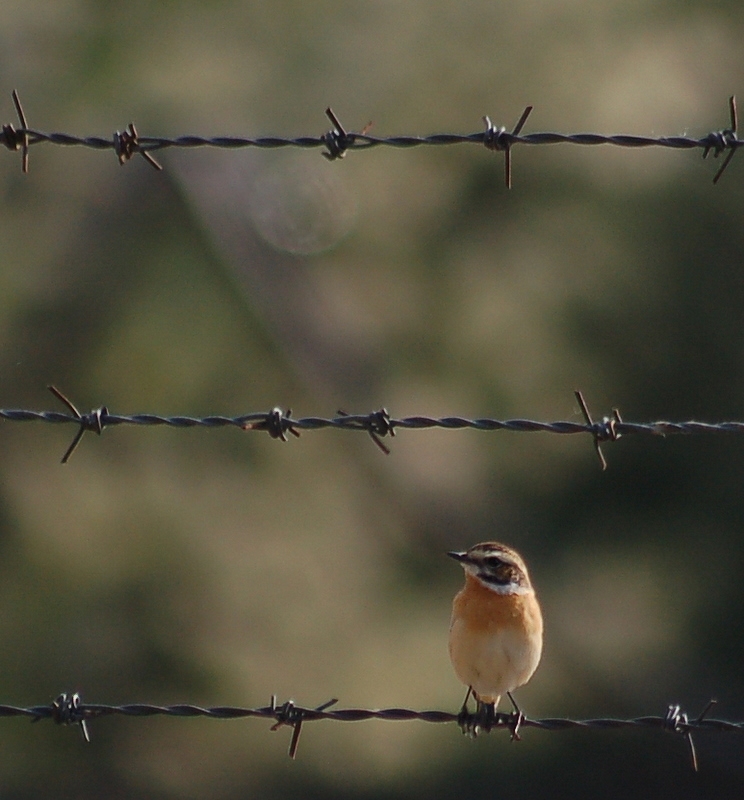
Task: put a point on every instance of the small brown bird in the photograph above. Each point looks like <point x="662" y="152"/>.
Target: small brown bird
<point x="495" y="638"/>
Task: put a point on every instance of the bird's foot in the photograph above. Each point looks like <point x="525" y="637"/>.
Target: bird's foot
<point x="516" y="719"/>
<point x="482" y="720"/>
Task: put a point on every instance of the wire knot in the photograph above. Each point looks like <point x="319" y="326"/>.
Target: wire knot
<point x="289" y="714"/>
<point x="605" y="430"/>
<point x="496" y="138"/>
<point x="126" y="145"/>
<point x="94" y="421"/>
<point x="12" y="138"/>
<point x="338" y="141"/>
<point x="67" y="710"/>
<point x="379" y="424"/>
<point x="286" y="714"/>
<point x="719" y="141"/>
<point x="501" y="140"/>
<point x="727" y="139"/>
<point x="17" y="139"/>
<point x="276" y="423"/>
<point x="676" y="721"/>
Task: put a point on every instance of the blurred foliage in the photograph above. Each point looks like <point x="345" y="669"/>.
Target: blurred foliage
<point x="218" y="567"/>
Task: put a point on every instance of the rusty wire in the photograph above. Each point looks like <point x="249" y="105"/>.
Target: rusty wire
<point x="338" y="141"/>
<point x="377" y="424"/>
<point x="69" y="709"/>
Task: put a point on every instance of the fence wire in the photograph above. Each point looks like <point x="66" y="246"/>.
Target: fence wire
<point x="338" y="141"/>
<point x="69" y="709"/>
<point x="378" y="424"/>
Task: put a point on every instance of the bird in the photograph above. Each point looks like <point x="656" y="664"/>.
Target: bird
<point x="496" y="631"/>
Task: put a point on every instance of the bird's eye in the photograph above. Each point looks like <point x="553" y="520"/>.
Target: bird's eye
<point x="493" y="561"/>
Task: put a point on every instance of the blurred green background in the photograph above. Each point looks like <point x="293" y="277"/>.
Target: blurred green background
<point x="218" y="567"/>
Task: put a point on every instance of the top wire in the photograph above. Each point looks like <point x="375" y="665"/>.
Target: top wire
<point x="338" y="141"/>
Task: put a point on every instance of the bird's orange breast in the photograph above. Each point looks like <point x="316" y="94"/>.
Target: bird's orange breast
<point x="483" y="610"/>
<point x="495" y="639"/>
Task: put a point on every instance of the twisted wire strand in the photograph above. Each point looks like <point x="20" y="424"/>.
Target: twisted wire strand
<point x="358" y="141"/>
<point x="286" y="711"/>
<point x="338" y="141"/>
<point x="362" y="422"/>
<point x="377" y="424"/>
<point x="70" y="710"/>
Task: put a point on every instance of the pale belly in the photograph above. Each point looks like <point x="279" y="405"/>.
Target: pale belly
<point x="493" y="663"/>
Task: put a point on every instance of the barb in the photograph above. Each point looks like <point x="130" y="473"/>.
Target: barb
<point x="290" y="714"/>
<point x="676" y="721"/>
<point x="499" y="139"/>
<point x="70" y="709"/>
<point x="604" y="431"/>
<point x="724" y="140"/>
<point x="17" y="139"/>
<point x="376" y="424"/>
<point x="127" y="144"/>
<point x="337" y="142"/>
<point x="88" y="422"/>
<point x="276" y="423"/>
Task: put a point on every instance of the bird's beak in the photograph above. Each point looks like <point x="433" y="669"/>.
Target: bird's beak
<point x="457" y="556"/>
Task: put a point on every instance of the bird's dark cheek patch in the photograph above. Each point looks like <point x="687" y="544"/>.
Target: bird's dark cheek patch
<point x="495" y="580"/>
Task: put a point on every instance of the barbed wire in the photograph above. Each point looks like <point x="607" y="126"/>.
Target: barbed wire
<point x="69" y="709"/>
<point x="377" y="424"/>
<point x="338" y="141"/>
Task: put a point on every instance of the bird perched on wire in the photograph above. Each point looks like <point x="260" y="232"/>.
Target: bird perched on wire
<point x="496" y="632"/>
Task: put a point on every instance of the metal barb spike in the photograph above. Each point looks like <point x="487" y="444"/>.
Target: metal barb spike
<point x="602" y="432"/>
<point x="94" y="421"/>
<point x="24" y="126"/>
<point x="498" y="139"/>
